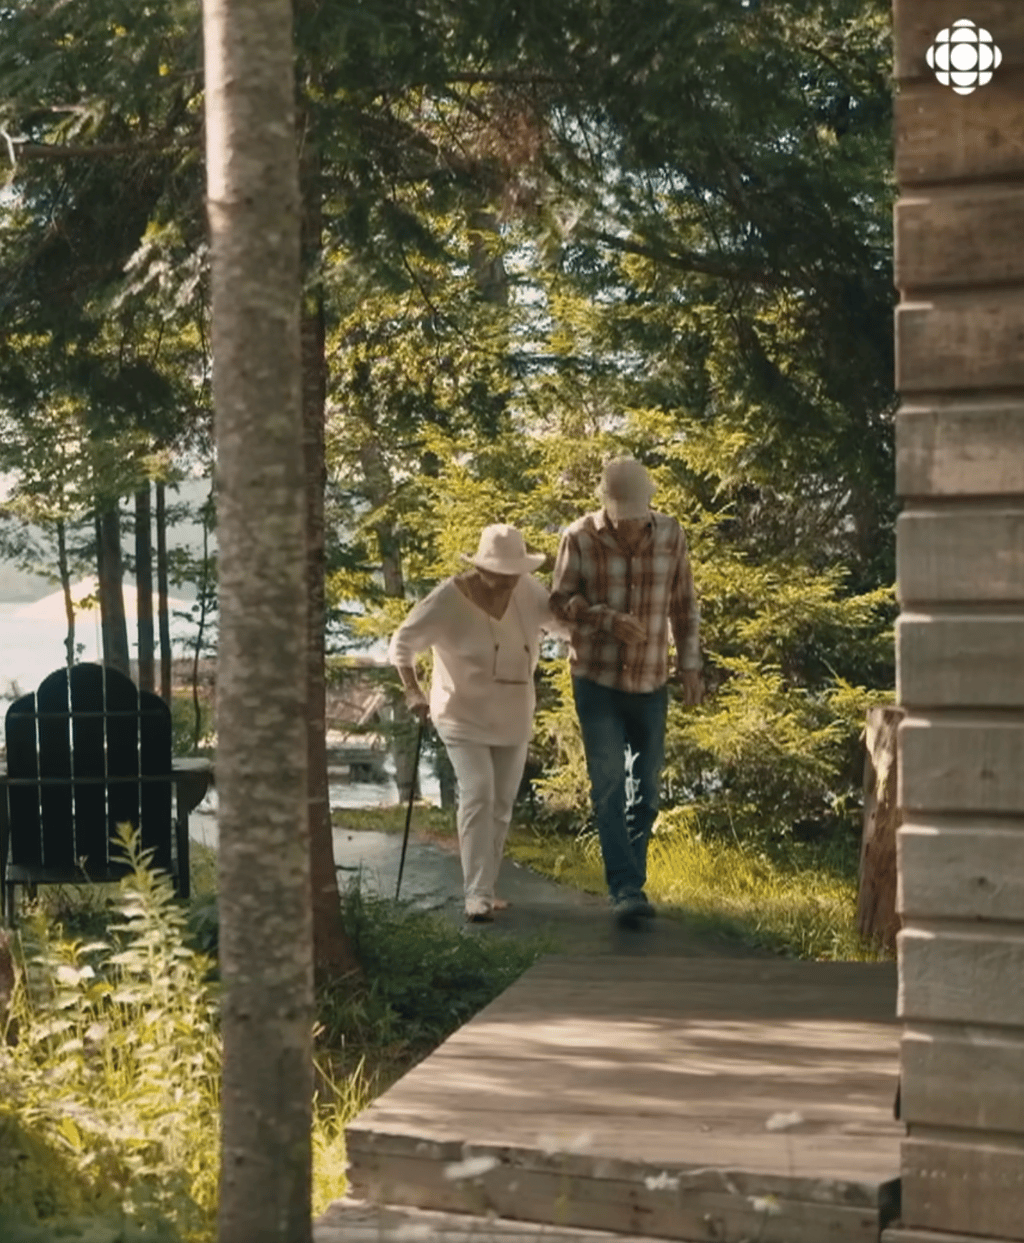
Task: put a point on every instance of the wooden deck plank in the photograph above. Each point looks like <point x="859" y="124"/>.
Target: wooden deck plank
<point x="357" y="1221"/>
<point x="656" y="1209"/>
<point x="588" y="1080"/>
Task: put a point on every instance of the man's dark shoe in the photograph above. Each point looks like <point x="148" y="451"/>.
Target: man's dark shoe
<point x="644" y="908"/>
<point x="630" y="911"/>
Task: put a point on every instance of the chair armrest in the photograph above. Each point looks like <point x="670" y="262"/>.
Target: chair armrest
<point x="191" y="778"/>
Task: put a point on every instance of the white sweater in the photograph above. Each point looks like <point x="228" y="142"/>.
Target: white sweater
<point x="482" y="687"/>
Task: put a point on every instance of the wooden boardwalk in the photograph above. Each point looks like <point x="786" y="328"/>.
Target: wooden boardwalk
<point x="700" y="1099"/>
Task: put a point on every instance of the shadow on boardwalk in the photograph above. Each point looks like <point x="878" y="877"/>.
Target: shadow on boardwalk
<point x="656" y="1084"/>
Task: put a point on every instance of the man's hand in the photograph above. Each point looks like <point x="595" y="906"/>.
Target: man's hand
<point x="417" y="703"/>
<point x="691" y="683"/>
<point x="627" y="629"/>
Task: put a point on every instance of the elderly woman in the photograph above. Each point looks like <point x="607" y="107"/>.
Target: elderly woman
<point x="484" y="627"/>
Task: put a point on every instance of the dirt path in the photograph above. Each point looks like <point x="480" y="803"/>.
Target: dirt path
<point x="575" y="922"/>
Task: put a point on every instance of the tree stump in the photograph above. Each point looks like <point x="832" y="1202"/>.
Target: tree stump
<point x="876" y="900"/>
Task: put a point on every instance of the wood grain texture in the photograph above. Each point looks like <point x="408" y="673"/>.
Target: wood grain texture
<point x="961" y="977"/>
<point x="965" y="1077"/>
<point x="959" y="448"/>
<point x="975" y="556"/>
<point x="900" y="1234"/>
<point x="961" y="872"/>
<point x="961" y="767"/>
<point x="959" y="238"/>
<point x="595" y="1076"/>
<point x="359" y="1221"/>
<point x="975" y="1187"/>
<point x="956" y="343"/>
<point x="960" y="662"/>
<point x="917" y="22"/>
<point x="653" y="1208"/>
<point x="942" y="137"/>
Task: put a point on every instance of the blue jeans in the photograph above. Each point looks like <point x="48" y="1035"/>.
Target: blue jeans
<point x="610" y="720"/>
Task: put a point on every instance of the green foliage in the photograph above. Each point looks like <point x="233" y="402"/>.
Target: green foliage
<point x="424" y="978"/>
<point x="546" y="237"/>
<point x="183" y="724"/>
<point x="116" y="1068"/>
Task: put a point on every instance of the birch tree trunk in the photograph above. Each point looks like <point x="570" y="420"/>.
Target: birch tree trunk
<point x="263" y="865"/>
<point x="333" y="953"/>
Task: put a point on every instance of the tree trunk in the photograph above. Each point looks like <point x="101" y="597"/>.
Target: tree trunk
<point x="485" y="260"/>
<point x="65" y="583"/>
<point x="204" y="603"/>
<point x="163" y="594"/>
<point x="144" y="588"/>
<point x="333" y="953"/>
<point x="266" y="933"/>
<point x="378" y="486"/>
<point x="876" y="900"/>
<point x="110" y="568"/>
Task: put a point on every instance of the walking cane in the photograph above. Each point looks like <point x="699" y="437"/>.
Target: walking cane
<point x="408" y="810"/>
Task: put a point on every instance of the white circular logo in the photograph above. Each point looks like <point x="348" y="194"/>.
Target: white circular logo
<point x="964" y="57"/>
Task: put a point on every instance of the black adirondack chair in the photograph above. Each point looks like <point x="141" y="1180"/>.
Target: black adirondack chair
<point x="85" y="752"/>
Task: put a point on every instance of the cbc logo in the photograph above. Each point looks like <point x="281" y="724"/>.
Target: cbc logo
<point x="964" y="56"/>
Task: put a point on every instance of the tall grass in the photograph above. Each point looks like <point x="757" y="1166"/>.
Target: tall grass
<point x="109" y="1097"/>
<point x="793" y="898"/>
<point x="109" y="1092"/>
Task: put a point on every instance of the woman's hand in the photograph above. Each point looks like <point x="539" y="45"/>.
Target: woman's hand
<point x="628" y="629"/>
<point x="417" y="703"/>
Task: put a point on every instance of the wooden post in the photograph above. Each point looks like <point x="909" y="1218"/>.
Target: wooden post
<point x="876" y="902"/>
<point x="960" y="639"/>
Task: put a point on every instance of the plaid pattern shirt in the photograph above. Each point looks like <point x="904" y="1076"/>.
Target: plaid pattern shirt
<point x="595" y="578"/>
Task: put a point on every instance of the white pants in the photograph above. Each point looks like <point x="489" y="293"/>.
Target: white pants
<point x="488" y="780"/>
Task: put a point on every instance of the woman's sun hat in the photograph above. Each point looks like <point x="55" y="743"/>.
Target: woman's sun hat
<point x="502" y="550"/>
<point x="626" y="489"/>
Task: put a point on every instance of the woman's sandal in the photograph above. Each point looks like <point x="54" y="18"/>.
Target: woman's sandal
<point x="479" y="917"/>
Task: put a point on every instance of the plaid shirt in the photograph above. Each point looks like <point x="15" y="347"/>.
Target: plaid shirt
<point x="655" y="585"/>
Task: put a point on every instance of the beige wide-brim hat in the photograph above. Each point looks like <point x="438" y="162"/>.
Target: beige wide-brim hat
<point x="502" y="550"/>
<point x="626" y="489"/>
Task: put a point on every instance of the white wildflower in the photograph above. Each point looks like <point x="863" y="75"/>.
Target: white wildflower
<point x="67" y="975"/>
<point x="471" y="1167"/>
<point x="662" y="1182"/>
<point x="783" y="1122"/>
<point x="768" y="1205"/>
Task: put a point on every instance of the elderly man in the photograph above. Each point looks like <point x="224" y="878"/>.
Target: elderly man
<point x="622" y="575"/>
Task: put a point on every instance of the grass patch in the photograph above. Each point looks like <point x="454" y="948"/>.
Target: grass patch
<point x="427" y="820"/>
<point x="792" y="898"/>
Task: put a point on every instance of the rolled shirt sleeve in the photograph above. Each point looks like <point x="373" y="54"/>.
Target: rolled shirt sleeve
<point x="568" y="591"/>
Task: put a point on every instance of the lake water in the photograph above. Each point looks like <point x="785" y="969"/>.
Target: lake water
<point x="32" y="646"/>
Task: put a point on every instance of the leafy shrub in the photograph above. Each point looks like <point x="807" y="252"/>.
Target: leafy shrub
<point x="111" y="1092"/>
<point x="183" y="724"/>
<point x="423" y="977"/>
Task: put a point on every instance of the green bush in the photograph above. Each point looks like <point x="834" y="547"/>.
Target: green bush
<point x="111" y="1092"/>
<point x="423" y="977"/>
<point x="183" y="725"/>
